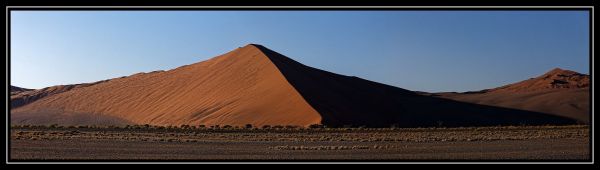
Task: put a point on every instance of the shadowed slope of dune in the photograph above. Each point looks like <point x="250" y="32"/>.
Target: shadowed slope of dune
<point x="344" y="100"/>
<point x="255" y="85"/>
<point x="558" y="92"/>
<point x="17" y="97"/>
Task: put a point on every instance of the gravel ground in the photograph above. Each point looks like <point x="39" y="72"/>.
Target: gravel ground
<point x="568" y="143"/>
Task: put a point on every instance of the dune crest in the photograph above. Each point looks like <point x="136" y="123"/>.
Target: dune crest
<point x="554" y="79"/>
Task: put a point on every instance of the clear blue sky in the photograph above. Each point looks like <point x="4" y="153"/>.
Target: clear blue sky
<point x="416" y="50"/>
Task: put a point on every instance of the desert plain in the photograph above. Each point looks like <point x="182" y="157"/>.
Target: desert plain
<point x="507" y="143"/>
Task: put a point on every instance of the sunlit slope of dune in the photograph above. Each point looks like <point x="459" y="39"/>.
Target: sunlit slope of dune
<point x="239" y="87"/>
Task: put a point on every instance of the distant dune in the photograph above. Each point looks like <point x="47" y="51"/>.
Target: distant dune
<point x="559" y="92"/>
<point x="255" y="85"/>
<point x="17" y="90"/>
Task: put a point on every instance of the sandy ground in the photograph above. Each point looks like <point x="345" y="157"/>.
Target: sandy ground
<point x="508" y="143"/>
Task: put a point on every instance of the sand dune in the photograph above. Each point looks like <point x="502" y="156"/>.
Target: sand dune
<point x="255" y="85"/>
<point x="559" y="92"/>
<point x="15" y="89"/>
<point x="237" y="88"/>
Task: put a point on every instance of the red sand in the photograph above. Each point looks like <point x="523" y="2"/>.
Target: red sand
<point x="20" y="96"/>
<point x="559" y="92"/>
<point x="237" y="88"/>
<point x="554" y="79"/>
<point x="254" y="85"/>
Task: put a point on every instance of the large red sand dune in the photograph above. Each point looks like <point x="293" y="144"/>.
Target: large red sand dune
<point x="239" y="87"/>
<point x="255" y="85"/>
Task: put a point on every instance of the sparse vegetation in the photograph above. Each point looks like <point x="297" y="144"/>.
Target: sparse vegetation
<point x="295" y="133"/>
<point x="315" y="126"/>
<point x="302" y="147"/>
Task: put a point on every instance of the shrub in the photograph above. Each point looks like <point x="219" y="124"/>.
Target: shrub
<point x="266" y="126"/>
<point x="184" y="126"/>
<point x="290" y="127"/>
<point x="316" y="126"/>
<point x="248" y="126"/>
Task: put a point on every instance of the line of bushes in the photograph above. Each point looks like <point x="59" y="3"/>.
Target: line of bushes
<point x="249" y="127"/>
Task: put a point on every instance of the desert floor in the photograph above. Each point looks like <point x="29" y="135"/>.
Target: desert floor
<point x="515" y="143"/>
